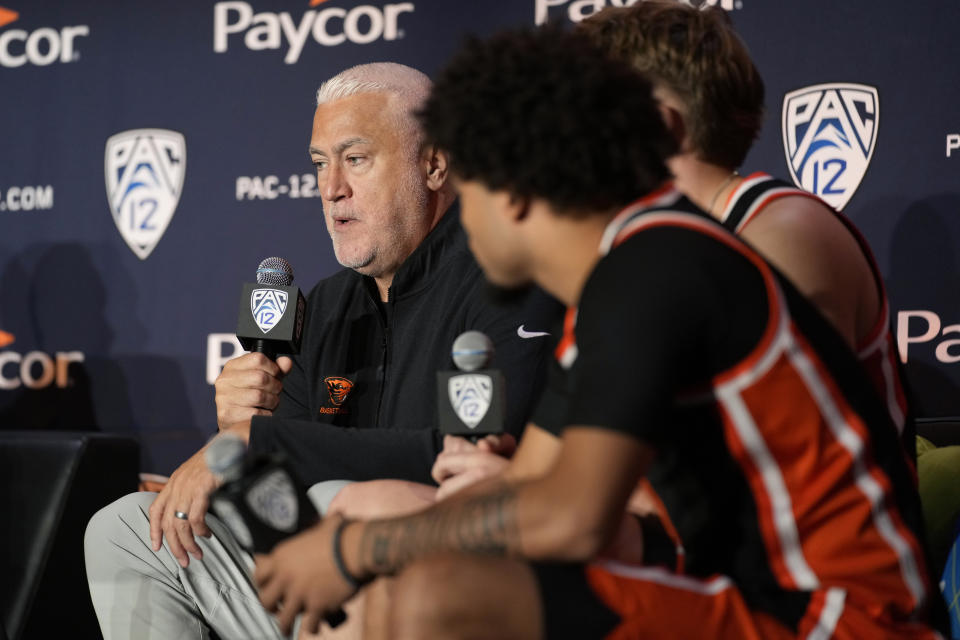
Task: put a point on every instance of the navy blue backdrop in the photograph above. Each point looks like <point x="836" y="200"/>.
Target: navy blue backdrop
<point x="152" y="153"/>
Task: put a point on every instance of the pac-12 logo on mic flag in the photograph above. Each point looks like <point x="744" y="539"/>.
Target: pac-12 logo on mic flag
<point x="274" y="500"/>
<point x="144" y="170"/>
<point x="470" y="396"/>
<point x="829" y="134"/>
<point x="268" y="306"/>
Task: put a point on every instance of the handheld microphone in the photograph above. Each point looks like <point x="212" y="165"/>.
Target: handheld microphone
<point x="260" y="501"/>
<point x="471" y="403"/>
<point x="271" y="314"/>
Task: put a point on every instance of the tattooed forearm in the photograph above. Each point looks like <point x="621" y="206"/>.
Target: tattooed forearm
<point x="481" y="524"/>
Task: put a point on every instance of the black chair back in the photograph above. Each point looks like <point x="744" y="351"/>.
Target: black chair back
<point x="52" y="483"/>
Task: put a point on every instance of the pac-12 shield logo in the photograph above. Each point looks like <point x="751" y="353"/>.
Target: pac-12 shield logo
<point x="829" y="134"/>
<point x="470" y="396"/>
<point x="144" y="173"/>
<point x="267" y="307"/>
<point x="274" y="499"/>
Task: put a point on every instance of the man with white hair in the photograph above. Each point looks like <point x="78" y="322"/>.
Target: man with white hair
<point x="359" y="402"/>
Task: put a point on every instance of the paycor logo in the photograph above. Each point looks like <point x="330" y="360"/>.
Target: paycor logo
<point x="922" y="326"/>
<point x="578" y="10"/>
<point x="34" y="369"/>
<point x="329" y="27"/>
<point x="40" y="47"/>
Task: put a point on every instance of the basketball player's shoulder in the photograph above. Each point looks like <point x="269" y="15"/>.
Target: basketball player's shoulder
<point x="793" y="214"/>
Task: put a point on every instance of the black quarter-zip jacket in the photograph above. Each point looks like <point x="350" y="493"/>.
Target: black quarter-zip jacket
<point x="361" y="401"/>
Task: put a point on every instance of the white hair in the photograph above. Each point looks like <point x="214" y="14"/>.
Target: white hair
<point x="409" y="87"/>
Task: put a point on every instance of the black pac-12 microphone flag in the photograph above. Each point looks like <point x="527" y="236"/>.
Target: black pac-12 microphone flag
<point x="271" y="314"/>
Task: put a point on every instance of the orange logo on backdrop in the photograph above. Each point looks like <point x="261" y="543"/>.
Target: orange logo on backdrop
<point x="314" y="3"/>
<point x="6" y="338"/>
<point x="7" y="16"/>
<point x="338" y="388"/>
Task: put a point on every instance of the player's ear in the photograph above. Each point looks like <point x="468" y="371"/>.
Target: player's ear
<point x="671" y="110"/>
<point x="438" y="167"/>
<point x="518" y="207"/>
<point x="674" y="121"/>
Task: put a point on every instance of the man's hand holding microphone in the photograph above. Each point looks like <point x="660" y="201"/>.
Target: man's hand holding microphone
<point x="248" y="386"/>
<point x="270" y="322"/>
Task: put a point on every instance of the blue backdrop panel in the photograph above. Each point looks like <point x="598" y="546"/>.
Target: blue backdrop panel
<point x="152" y="155"/>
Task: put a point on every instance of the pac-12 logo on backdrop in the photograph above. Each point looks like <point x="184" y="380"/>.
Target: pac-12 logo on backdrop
<point x="268" y="306"/>
<point x="144" y="173"/>
<point x="829" y="134"/>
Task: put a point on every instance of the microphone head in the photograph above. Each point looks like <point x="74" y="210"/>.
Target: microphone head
<point x="275" y="271"/>
<point x="225" y="455"/>
<point x="472" y="350"/>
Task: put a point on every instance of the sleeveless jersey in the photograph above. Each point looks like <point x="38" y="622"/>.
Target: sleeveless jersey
<point x="877" y="350"/>
<point x="824" y="530"/>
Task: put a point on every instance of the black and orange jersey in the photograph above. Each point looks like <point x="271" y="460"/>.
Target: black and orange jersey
<point x="877" y="350"/>
<point x="776" y="462"/>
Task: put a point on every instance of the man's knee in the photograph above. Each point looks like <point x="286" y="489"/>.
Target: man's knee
<point x="124" y="516"/>
<point x="324" y="494"/>
<point x="340" y="501"/>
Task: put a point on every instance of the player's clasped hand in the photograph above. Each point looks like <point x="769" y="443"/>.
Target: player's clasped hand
<point x="249" y="386"/>
<point x="299" y="576"/>
<point x="462" y="463"/>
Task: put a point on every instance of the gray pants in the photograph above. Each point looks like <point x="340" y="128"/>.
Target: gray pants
<point x="146" y="595"/>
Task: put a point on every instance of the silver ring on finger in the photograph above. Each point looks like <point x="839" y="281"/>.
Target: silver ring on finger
<point x="181" y="515"/>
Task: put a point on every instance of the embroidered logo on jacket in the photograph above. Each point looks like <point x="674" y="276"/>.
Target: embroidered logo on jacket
<point x="338" y="388"/>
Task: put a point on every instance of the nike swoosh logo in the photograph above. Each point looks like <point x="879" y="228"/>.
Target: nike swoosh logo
<point x="530" y="334"/>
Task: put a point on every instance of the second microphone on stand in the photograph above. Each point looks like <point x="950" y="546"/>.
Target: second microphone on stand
<point x="471" y="402"/>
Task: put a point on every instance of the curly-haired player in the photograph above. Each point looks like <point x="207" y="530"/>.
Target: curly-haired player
<point x="687" y="358"/>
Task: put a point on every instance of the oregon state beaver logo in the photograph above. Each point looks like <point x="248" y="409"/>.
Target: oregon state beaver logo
<point x="338" y="388"/>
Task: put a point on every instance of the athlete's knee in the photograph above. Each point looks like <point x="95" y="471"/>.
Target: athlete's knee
<point x="428" y="599"/>
<point x="456" y="596"/>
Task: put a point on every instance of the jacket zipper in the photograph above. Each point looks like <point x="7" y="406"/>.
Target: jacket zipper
<point x="384" y="353"/>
